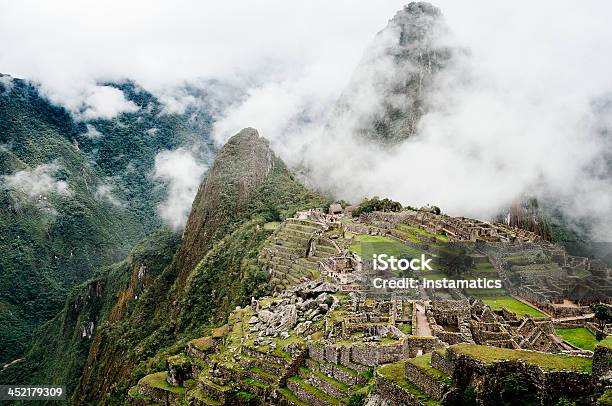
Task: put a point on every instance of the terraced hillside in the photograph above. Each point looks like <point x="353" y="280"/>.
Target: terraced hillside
<point x="315" y="343"/>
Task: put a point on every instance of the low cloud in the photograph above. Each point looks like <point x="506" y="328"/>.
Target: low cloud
<point x="518" y="117"/>
<point x="183" y="173"/>
<point x="105" y="102"/>
<point x="37" y="182"/>
<point x="503" y="121"/>
<point x="92" y="133"/>
<point x="104" y="192"/>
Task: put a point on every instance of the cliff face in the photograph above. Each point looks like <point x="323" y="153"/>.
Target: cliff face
<point x="387" y="93"/>
<point x="239" y="169"/>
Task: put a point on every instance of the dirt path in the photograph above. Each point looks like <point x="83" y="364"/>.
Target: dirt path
<point x="422" y="327"/>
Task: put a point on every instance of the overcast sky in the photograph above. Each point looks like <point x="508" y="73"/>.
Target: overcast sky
<point x="536" y="68"/>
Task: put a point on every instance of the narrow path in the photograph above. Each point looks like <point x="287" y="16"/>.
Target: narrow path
<point x="422" y="327"/>
<point x="570" y="318"/>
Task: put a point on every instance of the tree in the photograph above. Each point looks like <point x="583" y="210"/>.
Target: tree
<point x="603" y="315"/>
<point x="456" y="261"/>
<point x="376" y="204"/>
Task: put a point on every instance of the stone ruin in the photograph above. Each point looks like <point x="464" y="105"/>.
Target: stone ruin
<point x="320" y="337"/>
<point x="297" y="308"/>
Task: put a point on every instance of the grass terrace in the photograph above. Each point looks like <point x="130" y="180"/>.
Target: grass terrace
<point x="307" y="387"/>
<point x="606" y="342"/>
<point x="525" y="259"/>
<point x="424" y="233"/>
<point x="606" y="398"/>
<point x="367" y="245"/>
<point x="158" y="380"/>
<point x="423" y="363"/>
<point x="546" y="361"/>
<point x="201" y="396"/>
<point x="512" y="304"/>
<point x="396" y="373"/>
<point x="487" y="293"/>
<point x="273" y="225"/>
<point x="580" y="337"/>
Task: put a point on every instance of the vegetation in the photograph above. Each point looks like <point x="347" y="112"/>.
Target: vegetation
<point x="51" y="242"/>
<point x="603" y="315"/>
<point x="140" y="323"/>
<point x="366" y="245"/>
<point x="423" y="362"/>
<point x="457" y="262"/>
<point x="543" y="360"/>
<point x="395" y="373"/>
<point x="59" y="350"/>
<point x="579" y="336"/>
<point x="516" y="390"/>
<point x="376" y="204"/>
<point x="512" y="304"/>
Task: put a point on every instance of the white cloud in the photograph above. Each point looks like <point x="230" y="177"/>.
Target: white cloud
<point x="183" y="173"/>
<point x="6" y="83"/>
<point x="37" y="182"/>
<point x="105" y="102"/>
<point x="92" y="132"/>
<point x="104" y="192"/>
<point x="513" y="118"/>
<point x="70" y="46"/>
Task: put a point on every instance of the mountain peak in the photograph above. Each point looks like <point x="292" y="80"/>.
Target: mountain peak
<point x="240" y="167"/>
<point x="386" y="95"/>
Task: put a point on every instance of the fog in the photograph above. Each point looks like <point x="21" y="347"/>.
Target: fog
<point x="521" y="114"/>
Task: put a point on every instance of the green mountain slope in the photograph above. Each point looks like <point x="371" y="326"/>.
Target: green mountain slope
<point x="71" y="202"/>
<point x="137" y="326"/>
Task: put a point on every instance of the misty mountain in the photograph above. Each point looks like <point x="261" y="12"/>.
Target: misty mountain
<point x="76" y="195"/>
<point x="387" y="93"/>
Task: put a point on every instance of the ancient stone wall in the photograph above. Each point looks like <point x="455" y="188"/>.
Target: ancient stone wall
<point x="393" y="393"/>
<point x="306" y="396"/>
<point x="425" y="382"/>
<point x="602" y="361"/>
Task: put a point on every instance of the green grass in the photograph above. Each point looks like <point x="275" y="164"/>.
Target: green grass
<point x="201" y="396"/>
<point x="606" y="342"/>
<point x="510" y="303"/>
<point x="551" y="362"/>
<point x="525" y="259"/>
<point x="580" y="337"/>
<point x="423" y="362"/>
<point x="336" y="383"/>
<point x="291" y="396"/>
<point x="396" y="373"/>
<point x="406" y="328"/>
<point x="272" y="225"/>
<point x="133" y="393"/>
<point x="367" y="245"/>
<point x="606" y="398"/>
<point x="439" y="237"/>
<point x="158" y="380"/>
<point x="307" y="387"/>
<point x="490" y="293"/>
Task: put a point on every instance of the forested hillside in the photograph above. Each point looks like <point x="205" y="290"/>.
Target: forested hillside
<point x="75" y="195"/>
